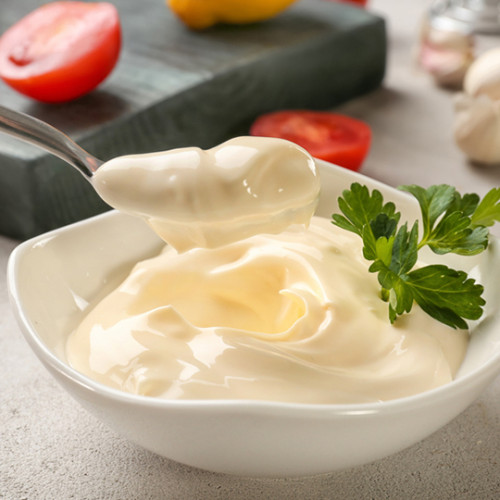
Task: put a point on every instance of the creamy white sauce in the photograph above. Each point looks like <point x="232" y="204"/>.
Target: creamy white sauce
<point x="291" y="315"/>
<point x="197" y="198"/>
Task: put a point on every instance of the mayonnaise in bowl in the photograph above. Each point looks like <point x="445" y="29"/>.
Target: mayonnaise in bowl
<point x="251" y="299"/>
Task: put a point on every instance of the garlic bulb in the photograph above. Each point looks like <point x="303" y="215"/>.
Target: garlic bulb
<point x="483" y="77"/>
<point x="445" y="54"/>
<point x="477" y="127"/>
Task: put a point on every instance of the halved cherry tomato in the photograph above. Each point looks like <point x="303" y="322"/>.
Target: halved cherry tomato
<point x="328" y="136"/>
<point x="356" y="2"/>
<point x="61" y="51"/>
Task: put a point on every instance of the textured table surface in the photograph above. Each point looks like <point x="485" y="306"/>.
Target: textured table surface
<point x="52" y="449"/>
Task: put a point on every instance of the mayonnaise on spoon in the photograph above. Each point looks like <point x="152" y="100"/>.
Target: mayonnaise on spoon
<point x="191" y="197"/>
<point x="208" y="198"/>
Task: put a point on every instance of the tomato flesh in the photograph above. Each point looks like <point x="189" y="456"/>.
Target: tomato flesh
<point x="61" y="50"/>
<point x="332" y="137"/>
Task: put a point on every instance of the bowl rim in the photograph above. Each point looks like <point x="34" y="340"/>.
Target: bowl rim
<point x="487" y="371"/>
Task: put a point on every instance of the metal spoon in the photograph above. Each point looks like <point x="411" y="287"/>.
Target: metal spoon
<point x="41" y="134"/>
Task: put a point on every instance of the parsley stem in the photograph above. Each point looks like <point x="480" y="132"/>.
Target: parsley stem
<point x="422" y="243"/>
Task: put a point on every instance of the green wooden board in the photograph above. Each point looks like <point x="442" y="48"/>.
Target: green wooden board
<point x="173" y="87"/>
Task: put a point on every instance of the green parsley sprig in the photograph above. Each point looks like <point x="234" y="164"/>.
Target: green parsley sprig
<point x="451" y="223"/>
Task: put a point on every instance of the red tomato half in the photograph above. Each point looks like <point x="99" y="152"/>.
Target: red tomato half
<point x="61" y="50"/>
<point x="356" y="2"/>
<point x="328" y="136"/>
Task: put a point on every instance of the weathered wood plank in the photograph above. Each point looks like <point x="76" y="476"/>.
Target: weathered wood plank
<point x="173" y="87"/>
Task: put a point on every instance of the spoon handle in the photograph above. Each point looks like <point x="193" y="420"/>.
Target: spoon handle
<point x="39" y="133"/>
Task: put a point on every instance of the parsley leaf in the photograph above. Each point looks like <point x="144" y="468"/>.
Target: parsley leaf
<point x="360" y="208"/>
<point x="454" y="234"/>
<point x="392" y="273"/>
<point x="446" y="294"/>
<point x="379" y="229"/>
<point x="447" y="220"/>
<point x="488" y="211"/>
<point x="450" y="223"/>
<point x="433" y="201"/>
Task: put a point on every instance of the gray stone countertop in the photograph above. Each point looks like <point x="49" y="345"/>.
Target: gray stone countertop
<point x="51" y="448"/>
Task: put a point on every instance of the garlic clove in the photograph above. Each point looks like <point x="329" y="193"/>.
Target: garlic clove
<point x="445" y="54"/>
<point x="477" y="127"/>
<point x="483" y="76"/>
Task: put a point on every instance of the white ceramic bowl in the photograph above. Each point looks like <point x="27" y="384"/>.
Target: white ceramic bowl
<point x="53" y="278"/>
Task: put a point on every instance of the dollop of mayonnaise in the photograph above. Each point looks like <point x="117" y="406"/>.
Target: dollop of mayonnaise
<point x="292" y="317"/>
<point x="197" y="198"/>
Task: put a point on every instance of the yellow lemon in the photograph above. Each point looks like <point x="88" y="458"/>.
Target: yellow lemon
<point x="200" y="14"/>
